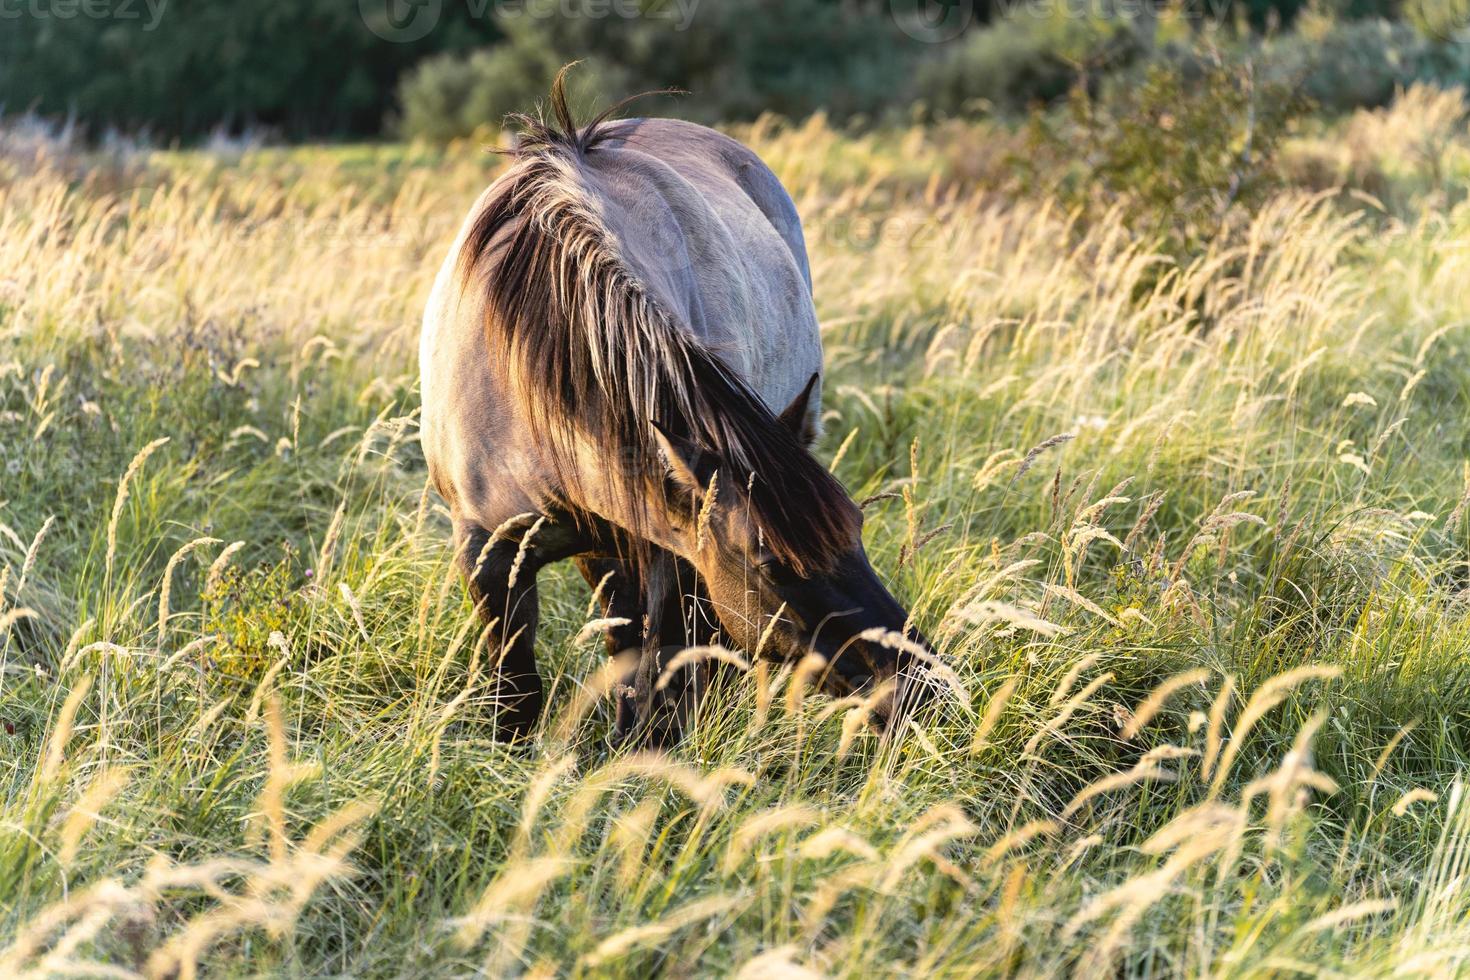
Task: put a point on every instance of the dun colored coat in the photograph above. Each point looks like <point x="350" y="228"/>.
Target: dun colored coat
<point x="621" y="364"/>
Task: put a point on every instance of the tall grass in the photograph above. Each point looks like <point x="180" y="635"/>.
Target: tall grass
<point x="1192" y="541"/>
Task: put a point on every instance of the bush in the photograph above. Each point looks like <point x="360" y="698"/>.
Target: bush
<point x="1361" y="64"/>
<point x="448" y="97"/>
<point x="1181" y="154"/>
<point x="736" y="61"/>
<point x="1032" y="57"/>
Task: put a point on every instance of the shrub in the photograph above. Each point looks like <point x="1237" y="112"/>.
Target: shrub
<point x="1179" y="154"/>
<point x="1033" y="56"/>
<point x="735" y="61"/>
<point x="448" y="97"/>
<point x="1362" y="63"/>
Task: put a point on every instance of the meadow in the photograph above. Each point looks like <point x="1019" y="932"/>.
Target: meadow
<point x="1191" y="535"/>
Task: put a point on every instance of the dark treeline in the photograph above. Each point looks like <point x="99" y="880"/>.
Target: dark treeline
<point x="335" y="68"/>
<point x="180" y="68"/>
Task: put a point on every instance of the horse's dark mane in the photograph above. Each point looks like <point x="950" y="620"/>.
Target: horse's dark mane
<point x="597" y="359"/>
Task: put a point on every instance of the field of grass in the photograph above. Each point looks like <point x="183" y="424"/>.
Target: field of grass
<point x="1193" y="540"/>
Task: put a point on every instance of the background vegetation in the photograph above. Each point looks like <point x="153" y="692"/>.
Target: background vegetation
<point x="327" y="68"/>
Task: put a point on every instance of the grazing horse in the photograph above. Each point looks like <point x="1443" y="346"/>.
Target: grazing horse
<point x="621" y="364"/>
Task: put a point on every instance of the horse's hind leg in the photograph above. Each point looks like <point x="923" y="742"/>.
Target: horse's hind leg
<point x="501" y="576"/>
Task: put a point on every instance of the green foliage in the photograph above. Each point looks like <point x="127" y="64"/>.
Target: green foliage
<point x="245" y="610"/>
<point x="450" y="96"/>
<point x="1033" y="56"/>
<point x="327" y="67"/>
<point x="1038" y="54"/>
<point x="1362" y="63"/>
<point x="1179" y="154"/>
<point x="298" y="66"/>
<point x="735" y="60"/>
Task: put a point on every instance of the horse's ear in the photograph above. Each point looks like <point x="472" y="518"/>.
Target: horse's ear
<point x="795" y="416"/>
<point x="690" y="466"/>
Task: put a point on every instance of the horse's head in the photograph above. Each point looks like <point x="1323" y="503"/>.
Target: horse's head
<point x="781" y="555"/>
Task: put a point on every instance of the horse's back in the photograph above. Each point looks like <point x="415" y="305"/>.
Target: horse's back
<point x="705" y="221"/>
<point x="715" y="238"/>
<point x="720" y="165"/>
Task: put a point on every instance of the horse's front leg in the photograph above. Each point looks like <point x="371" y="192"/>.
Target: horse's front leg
<point x="666" y="701"/>
<point x="500" y="568"/>
<point x="618" y="588"/>
<point x="662" y="606"/>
